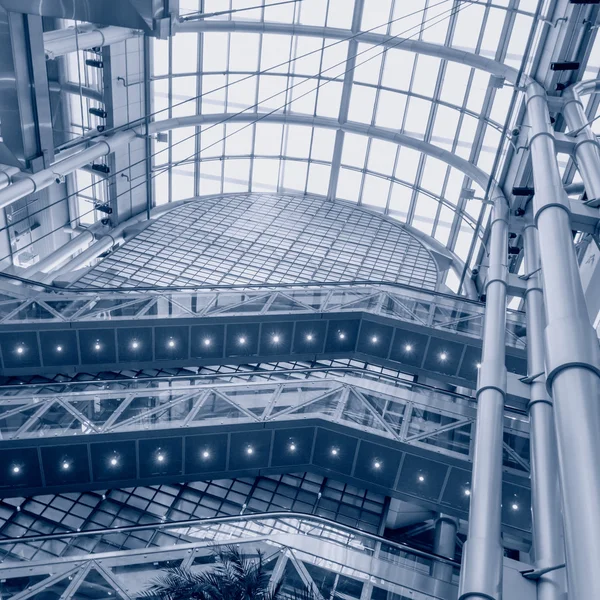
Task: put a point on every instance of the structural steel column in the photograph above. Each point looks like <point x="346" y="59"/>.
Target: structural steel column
<point x="481" y="573"/>
<point x="587" y="149"/>
<point x="548" y="537"/>
<point x="444" y="544"/>
<point x="572" y="372"/>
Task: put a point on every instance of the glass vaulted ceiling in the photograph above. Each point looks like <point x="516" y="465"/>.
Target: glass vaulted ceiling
<point x="445" y="103"/>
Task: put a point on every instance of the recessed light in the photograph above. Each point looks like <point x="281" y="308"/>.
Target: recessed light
<point x="408" y="348"/>
<point x="342" y="335"/>
<point x="242" y="340"/>
<point x="374" y="339"/>
<point x="206" y="454"/>
<point x="66" y="465"/>
<point x="16" y="469"/>
<point x="135" y="344"/>
<point x="292" y="447"/>
<point x="20" y="349"/>
<point x="478" y="365"/>
<point x="515" y="506"/>
<point x="97" y="346"/>
<point x="276" y="339"/>
<point x="309" y="337"/>
<point x="171" y="343"/>
<point x="114" y="461"/>
<point x="467" y="492"/>
<point x="334" y="451"/>
<point x="160" y="457"/>
<point x="59" y="348"/>
<point x="421" y="478"/>
<point x="443" y="356"/>
<point x="207" y="342"/>
<point x="377" y="464"/>
<point x="249" y="450"/>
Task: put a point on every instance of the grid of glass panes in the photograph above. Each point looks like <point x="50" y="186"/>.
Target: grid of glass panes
<point x="267" y="239"/>
<point x="444" y="103"/>
<point x="346" y="504"/>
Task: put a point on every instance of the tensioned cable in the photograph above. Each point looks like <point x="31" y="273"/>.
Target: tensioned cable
<point x="144" y="119"/>
<point x="199" y="16"/>
<point x="261" y="116"/>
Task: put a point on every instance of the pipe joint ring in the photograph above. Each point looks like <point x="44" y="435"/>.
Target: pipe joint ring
<point x="545" y="206"/>
<point x="492" y="375"/>
<point x="539" y="401"/>
<point x="581" y="143"/>
<point x="549" y="134"/>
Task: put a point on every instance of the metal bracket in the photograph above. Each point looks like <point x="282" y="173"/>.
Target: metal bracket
<point x="537" y="573"/>
<point x="527" y="276"/>
<point x="531" y="378"/>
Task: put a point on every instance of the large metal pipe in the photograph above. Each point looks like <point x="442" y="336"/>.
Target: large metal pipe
<point x="548" y="535"/>
<point x="481" y="573"/>
<point x="587" y="149"/>
<point x="95" y="38"/>
<point x="6" y="175"/>
<point x="572" y="357"/>
<point x="444" y="544"/>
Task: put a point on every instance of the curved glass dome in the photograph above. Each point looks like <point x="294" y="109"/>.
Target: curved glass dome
<point x="250" y="238"/>
<point x="316" y="62"/>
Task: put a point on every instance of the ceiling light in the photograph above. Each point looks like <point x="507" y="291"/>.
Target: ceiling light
<point x="443" y="356"/>
<point x="467" y="492"/>
<point x="207" y="341"/>
<point x="206" y="454"/>
<point x="160" y="457"/>
<point x="276" y="339"/>
<point x="135" y="344"/>
<point x="377" y="464"/>
<point x="342" y="335"/>
<point x="16" y="469"/>
<point x="97" y="346"/>
<point x="408" y="348"/>
<point x="20" y="350"/>
<point x="309" y="337"/>
<point x="374" y="339"/>
<point x="59" y="348"/>
<point x="171" y="343"/>
<point x="66" y="465"/>
<point x="292" y="447"/>
<point x="478" y="365"/>
<point x="334" y="451"/>
<point x="249" y="450"/>
<point x="242" y="340"/>
<point x="421" y="478"/>
<point x="114" y="461"/>
<point x="515" y="506"/>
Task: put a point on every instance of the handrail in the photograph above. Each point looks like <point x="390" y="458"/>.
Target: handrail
<point x="241" y="287"/>
<point x="231" y="519"/>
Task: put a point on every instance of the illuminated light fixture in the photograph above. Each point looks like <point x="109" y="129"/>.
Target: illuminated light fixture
<point x="171" y="343"/>
<point x="66" y="465"/>
<point x="342" y="335"/>
<point x="377" y="464"/>
<point x="374" y="339"/>
<point x="443" y="356"/>
<point x="135" y="344"/>
<point x="206" y="454"/>
<point x="249" y="450"/>
<point x="242" y="340"/>
<point x="20" y="349"/>
<point x="408" y="348"/>
<point x="160" y="457"/>
<point x="59" y="348"/>
<point x="309" y="337"/>
<point x="478" y="365"/>
<point x="207" y="342"/>
<point x="421" y="478"/>
<point x="334" y="452"/>
<point x="292" y="447"/>
<point x="467" y="492"/>
<point x="16" y="469"/>
<point x="97" y="346"/>
<point x="114" y="461"/>
<point x="515" y="506"/>
<point x="276" y="339"/>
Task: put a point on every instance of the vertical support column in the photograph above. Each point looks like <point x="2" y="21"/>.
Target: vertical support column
<point x="548" y="537"/>
<point x="444" y="544"/>
<point x="572" y="361"/>
<point x="481" y="573"/>
<point x="587" y="149"/>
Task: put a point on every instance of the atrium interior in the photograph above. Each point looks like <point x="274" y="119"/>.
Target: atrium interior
<point x="312" y="281"/>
